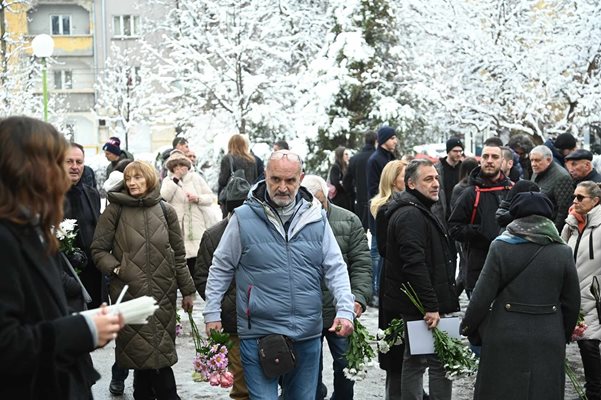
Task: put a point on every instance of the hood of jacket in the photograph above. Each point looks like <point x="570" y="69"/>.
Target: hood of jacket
<point x="123" y="198"/>
<point x="477" y="180"/>
<point x="404" y="199"/>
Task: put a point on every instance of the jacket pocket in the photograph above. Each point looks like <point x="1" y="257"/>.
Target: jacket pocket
<point x="530" y="308"/>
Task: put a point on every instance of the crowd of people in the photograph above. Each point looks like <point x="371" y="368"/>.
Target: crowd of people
<point x="288" y="259"/>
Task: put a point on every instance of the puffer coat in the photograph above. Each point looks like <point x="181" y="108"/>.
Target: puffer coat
<point x="138" y="242"/>
<point x="587" y="254"/>
<point x="194" y="218"/>
<point x="352" y="241"/>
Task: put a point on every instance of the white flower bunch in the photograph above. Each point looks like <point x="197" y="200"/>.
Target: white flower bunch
<point x="391" y="336"/>
<point x="359" y="353"/>
<point x="66" y="234"/>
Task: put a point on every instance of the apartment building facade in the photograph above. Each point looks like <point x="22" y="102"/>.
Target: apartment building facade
<point x="84" y="32"/>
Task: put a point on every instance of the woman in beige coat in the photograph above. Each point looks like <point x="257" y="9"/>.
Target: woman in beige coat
<point x="582" y="232"/>
<point x="138" y="243"/>
<point x="192" y="198"/>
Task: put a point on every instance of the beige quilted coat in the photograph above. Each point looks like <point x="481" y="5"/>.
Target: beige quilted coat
<point x="138" y="242"/>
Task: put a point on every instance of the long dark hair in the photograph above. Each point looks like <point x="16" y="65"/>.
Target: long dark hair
<point x="466" y="167"/>
<point x="339" y="158"/>
<point x="32" y="174"/>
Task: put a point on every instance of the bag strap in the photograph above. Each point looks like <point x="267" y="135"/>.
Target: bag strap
<point x="231" y="160"/>
<point x="521" y="270"/>
<point x="161" y="202"/>
<point x="477" y="201"/>
<point x="86" y="296"/>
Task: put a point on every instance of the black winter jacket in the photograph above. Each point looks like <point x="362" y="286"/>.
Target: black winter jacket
<point x="208" y="244"/>
<point x="355" y="182"/>
<point x="478" y="235"/>
<point x="376" y="163"/>
<point x="417" y="254"/>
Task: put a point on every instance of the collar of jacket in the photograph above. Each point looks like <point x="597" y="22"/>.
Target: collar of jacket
<point x="477" y="180"/>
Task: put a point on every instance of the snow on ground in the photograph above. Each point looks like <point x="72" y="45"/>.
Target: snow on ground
<point x="371" y="388"/>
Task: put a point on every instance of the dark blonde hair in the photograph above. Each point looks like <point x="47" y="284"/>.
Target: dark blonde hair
<point x="146" y="170"/>
<point x="238" y="146"/>
<point x="33" y="178"/>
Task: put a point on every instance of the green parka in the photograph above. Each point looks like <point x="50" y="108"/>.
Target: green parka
<point x="138" y="242"/>
<point x="352" y="241"/>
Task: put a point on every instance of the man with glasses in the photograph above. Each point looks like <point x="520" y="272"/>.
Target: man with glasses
<point x="448" y="176"/>
<point x="554" y="181"/>
<point x="279" y="245"/>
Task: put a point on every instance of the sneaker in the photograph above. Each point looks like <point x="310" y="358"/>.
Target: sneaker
<point x="116" y="387"/>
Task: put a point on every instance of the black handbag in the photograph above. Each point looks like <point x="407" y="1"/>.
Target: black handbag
<point x="276" y="355"/>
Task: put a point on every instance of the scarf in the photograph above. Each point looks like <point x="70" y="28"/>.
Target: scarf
<point x="533" y="228"/>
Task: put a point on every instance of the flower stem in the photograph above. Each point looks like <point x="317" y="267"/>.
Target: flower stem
<point x="574" y="379"/>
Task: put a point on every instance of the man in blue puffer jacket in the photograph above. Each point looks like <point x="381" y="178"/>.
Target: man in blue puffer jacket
<point x="280" y="246"/>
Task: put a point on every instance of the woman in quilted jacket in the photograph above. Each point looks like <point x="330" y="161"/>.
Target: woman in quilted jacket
<point x="138" y="243"/>
<point x="192" y="199"/>
<point x="582" y="232"/>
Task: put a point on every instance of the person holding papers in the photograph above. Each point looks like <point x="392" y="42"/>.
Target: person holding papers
<point x="524" y="307"/>
<point x="44" y="349"/>
<point x="138" y="243"/>
<point x="418" y="254"/>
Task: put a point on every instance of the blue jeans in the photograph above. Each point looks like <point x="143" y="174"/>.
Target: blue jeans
<point x="376" y="263"/>
<point x="343" y="388"/>
<point x="298" y="384"/>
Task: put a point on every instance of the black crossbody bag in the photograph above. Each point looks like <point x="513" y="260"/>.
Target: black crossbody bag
<point x="276" y="355"/>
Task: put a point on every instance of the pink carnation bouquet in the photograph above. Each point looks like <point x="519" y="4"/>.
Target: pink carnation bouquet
<point x="211" y="361"/>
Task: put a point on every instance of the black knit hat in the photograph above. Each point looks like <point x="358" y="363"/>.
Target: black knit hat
<point x="565" y="141"/>
<point x="385" y="133"/>
<point x="531" y="203"/>
<point x="454" y="142"/>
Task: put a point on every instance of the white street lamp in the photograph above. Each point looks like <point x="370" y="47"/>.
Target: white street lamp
<point x="43" y="47"/>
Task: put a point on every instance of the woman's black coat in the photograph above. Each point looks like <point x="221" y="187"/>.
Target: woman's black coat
<point x="531" y="319"/>
<point x="44" y="350"/>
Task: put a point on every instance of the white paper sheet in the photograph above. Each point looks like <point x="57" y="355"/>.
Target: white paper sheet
<point x="421" y="340"/>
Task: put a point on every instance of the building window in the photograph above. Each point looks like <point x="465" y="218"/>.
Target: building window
<point x="63" y="79"/>
<point x="60" y="24"/>
<point x="126" y="25"/>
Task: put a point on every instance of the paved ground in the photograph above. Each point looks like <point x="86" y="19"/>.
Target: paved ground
<point x="371" y="388"/>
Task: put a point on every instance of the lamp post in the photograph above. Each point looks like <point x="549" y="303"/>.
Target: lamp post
<point x="43" y="46"/>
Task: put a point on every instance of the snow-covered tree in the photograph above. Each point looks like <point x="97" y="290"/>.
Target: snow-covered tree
<point x="238" y="60"/>
<point x="516" y="66"/>
<point x="126" y="92"/>
<point x="357" y="83"/>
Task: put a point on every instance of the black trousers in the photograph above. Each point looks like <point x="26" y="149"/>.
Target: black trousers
<point x="151" y="384"/>
<point x="591" y="361"/>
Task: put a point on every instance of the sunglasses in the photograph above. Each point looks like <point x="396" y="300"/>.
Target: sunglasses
<point x="278" y="155"/>
<point x="580" y="197"/>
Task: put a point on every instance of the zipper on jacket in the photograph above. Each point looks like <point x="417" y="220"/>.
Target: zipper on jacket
<point x="250" y="287"/>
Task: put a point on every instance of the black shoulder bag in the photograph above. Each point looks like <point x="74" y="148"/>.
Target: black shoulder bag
<point x="276" y="355"/>
<point x="222" y="195"/>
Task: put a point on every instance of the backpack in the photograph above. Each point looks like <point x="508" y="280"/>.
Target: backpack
<point x="223" y="194"/>
<point x="477" y="200"/>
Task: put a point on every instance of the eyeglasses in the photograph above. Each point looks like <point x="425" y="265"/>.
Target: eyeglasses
<point x="278" y="155"/>
<point x="580" y="197"/>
